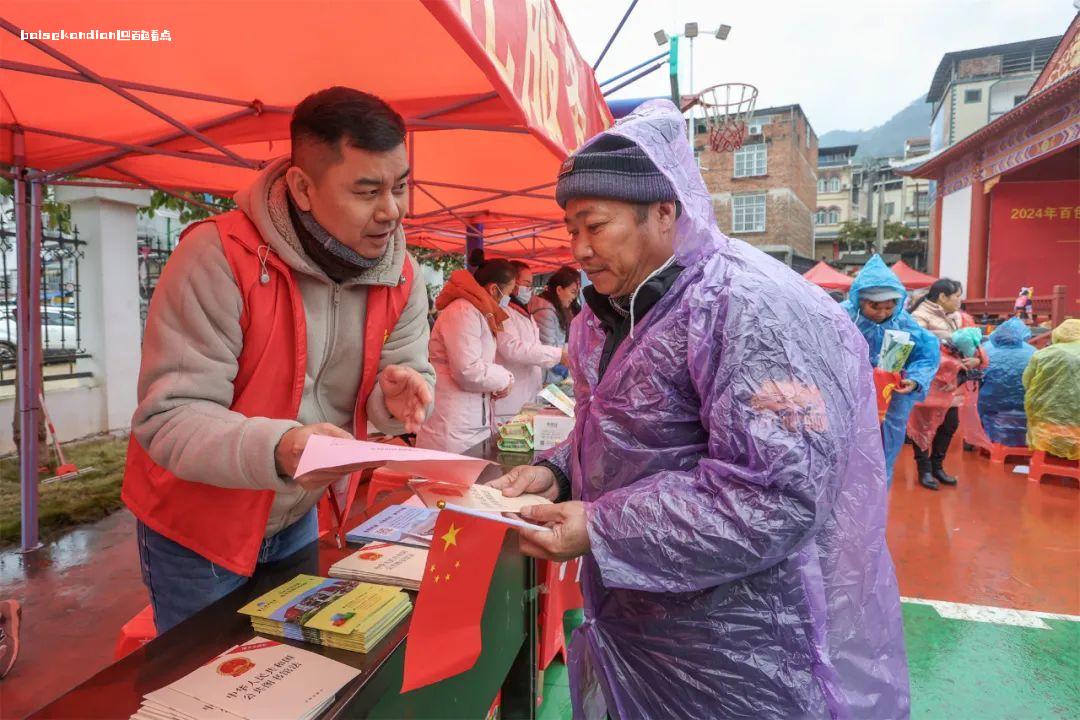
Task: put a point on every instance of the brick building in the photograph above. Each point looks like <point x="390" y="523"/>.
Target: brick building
<point x="766" y="191"/>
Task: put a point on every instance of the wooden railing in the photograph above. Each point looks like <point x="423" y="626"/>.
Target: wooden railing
<point x="997" y="310"/>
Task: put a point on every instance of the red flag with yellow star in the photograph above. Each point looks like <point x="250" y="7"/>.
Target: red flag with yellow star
<point x="444" y="634"/>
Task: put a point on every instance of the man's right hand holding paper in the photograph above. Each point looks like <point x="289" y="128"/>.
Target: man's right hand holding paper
<point x="291" y="447"/>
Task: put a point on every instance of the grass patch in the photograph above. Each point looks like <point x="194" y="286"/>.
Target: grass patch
<point x="65" y="504"/>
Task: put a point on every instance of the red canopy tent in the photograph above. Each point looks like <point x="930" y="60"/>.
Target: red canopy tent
<point x="911" y="278"/>
<point x="826" y="276"/>
<point x="495" y="96"/>
<point x="197" y="96"/>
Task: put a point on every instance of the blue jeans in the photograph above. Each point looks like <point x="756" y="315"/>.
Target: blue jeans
<point x="181" y="582"/>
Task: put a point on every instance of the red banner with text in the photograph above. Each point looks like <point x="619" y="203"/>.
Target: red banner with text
<point x="1035" y="240"/>
<point x="524" y="47"/>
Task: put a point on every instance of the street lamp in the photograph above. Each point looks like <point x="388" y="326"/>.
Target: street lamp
<point x="691" y="31"/>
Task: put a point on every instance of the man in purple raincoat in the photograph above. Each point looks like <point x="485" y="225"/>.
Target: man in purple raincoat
<point x="726" y="466"/>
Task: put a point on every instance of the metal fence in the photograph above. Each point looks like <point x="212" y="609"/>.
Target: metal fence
<point x="154" y="251"/>
<point x="61" y="326"/>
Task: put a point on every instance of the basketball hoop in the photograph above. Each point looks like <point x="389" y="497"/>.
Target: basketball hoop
<point x="728" y="108"/>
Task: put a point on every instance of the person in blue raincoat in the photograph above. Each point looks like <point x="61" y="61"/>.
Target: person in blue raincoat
<point x="1001" y="397"/>
<point x="876" y="304"/>
<point x="724" y="481"/>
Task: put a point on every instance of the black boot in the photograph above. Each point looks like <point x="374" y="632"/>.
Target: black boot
<point x="944" y="477"/>
<point x="927" y="481"/>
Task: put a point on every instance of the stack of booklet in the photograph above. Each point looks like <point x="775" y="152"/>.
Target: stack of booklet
<point x="257" y="680"/>
<point x="407" y="524"/>
<point x="384" y="563"/>
<point x="337" y="613"/>
<point x="516" y="436"/>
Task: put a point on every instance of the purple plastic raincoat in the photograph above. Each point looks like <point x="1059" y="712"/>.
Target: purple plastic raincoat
<point x="732" y="469"/>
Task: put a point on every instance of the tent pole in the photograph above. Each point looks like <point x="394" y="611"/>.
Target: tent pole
<point x="142" y="87"/>
<point x="626" y="72"/>
<point x="421" y="227"/>
<point x="28" y="339"/>
<point x="515" y="238"/>
<point x="132" y="148"/>
<point x="474" y="188"/>
<point x="113" y="86"/>
<point x="531" y="218"/>
<point x="634" y="79"/>
<point x="615" y="34"/>
<point x="537" y="227"/>
<point x="455" y="106"/>
<point x="436" y="125"/>
<point x="450" y="210"/>
<point x="478" y="201"/>
<point x="117" y="185"/>
<point x="143" y="181"/>
<point x="412" y="170"/>
<point x="474" y="241"/>
<point x="121" y="154"/>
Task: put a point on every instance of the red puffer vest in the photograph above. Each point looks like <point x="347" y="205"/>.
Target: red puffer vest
<point x="226" y="526"/>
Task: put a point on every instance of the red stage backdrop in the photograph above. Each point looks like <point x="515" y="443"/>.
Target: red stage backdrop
<point x="1035" y="239"/>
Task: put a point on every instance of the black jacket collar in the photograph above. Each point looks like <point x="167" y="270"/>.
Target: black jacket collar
<point x="616" y="324"/>
<point x="647" y="296"/>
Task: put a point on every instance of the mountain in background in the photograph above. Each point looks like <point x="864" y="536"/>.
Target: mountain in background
<point x="888" y="139"/>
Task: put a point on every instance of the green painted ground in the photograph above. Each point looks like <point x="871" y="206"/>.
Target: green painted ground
<point x="965" y="669"/>
<point x="960" y="670"/>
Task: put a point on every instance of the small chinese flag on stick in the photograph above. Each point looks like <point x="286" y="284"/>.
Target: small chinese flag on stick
<point x="444" y="634"/>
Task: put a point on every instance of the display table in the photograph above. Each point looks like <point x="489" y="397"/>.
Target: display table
<point x="506" y="662"/>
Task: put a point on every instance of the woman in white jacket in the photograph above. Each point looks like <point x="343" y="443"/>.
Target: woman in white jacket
<point x="520" y="350"/>
<point x="472" y="312"/>
<point x="552" y="310"/>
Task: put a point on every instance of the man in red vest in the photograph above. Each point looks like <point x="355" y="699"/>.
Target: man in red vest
<point x="301" y="313"/>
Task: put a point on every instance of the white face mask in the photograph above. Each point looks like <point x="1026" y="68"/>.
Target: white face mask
<point x="504" y="301"/>
<point x="524" y="294"/>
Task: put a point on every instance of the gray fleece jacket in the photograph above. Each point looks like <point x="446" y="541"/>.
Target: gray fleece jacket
<point x="193" y="339"/>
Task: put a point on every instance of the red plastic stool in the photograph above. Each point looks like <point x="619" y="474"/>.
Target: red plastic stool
<point x="998" y="453"/>
<point x="383" y="480"/>
<point x="1042" y="464"/>
<point x="136" y="632"/>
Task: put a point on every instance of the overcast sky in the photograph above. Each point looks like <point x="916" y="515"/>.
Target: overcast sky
<point x="851" y="64"/>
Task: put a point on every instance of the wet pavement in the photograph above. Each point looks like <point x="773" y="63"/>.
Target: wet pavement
<point x="994" y="541"/>
<point x="76" y="593"/>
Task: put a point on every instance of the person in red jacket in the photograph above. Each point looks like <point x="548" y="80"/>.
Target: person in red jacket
<point x="300" y="313"/>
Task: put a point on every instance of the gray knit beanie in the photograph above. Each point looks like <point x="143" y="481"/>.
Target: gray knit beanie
<point x="614" y="168"/>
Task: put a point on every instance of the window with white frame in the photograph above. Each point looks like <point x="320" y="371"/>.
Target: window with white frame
<point x="748" y="213"/>
<point x="834" y="216"/>
<point x="922" y="202"/>
<point x="819" y="216"/>
<point x="821" y="186"/>
<point x="834" y="184"/>
<point x="751" y="160"/>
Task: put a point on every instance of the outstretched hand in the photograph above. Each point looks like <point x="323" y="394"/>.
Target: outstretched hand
<point x="407" y="395"/>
